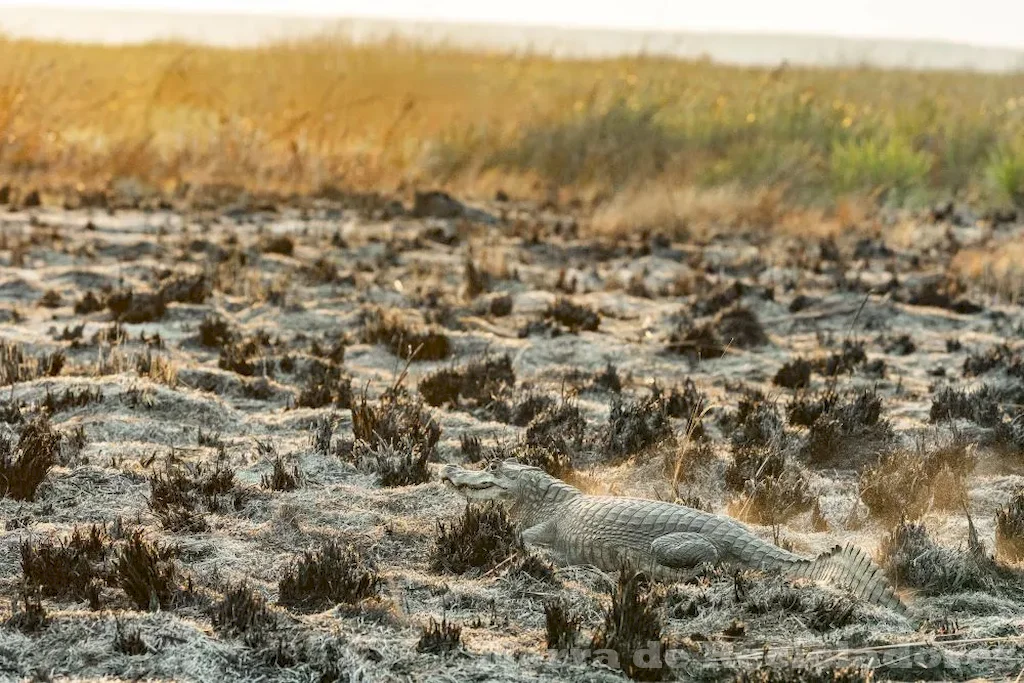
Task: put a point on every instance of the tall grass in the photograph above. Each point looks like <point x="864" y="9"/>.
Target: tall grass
<point x="1005" y="170"/>
<point x="298" y="116"/>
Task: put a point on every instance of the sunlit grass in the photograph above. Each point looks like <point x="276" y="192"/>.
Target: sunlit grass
<point x="1005" y="170"/>
<point x="867" y="164"/>
<point x="299" y="116"/>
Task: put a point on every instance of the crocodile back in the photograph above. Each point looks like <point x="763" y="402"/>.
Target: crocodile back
<point x="598" y="529"/>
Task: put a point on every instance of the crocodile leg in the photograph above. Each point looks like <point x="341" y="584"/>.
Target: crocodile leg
<point x="682" y="550"/>
<point x="540" y="534"/>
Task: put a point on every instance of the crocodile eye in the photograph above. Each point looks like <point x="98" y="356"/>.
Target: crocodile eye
<point x="493" y="467"/>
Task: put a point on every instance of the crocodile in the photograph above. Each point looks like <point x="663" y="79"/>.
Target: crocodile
<point x="664" y="540"/>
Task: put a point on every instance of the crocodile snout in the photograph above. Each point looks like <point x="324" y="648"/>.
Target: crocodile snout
<point x="447" y="474"/>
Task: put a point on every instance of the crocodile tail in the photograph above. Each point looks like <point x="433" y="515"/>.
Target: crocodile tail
<point x="853" y="569"/>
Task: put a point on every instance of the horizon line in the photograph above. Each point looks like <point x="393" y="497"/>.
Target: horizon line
<point x="552" y="26"/>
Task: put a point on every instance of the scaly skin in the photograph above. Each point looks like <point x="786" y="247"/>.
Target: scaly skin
<point x="662" y="539"/>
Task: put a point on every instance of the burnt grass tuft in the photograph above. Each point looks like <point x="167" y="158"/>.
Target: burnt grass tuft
<point x="89" y="303"/>
<point x="70" y="399"/>
<point x="480" y="540"/>
<point x="519" y="407"/>
<point x="536" y="568"/>
<point x="245" y="356"/>
<point x="769" y="487"/>
<point x="400" y="436"/>
<point x="805" y="409"/>
<point x="28" y="614"/>
<point x="128" y="641"/>
<point x="574" y="317"/>
<point x="322" y="431"/>
<point x="405" y="341"/>
<point x="440" y="637"/>
<point x="981" y="406"/>
<point x="686" y="402"/>
<point x="821" y="612"/>
<point x="720" y="298"/>
<point x="735" y="327"/>
<point x="215" y="332"/>
<point x="795" y="374"/>
<point x="906" y="482"/>
<point x="562" y="625"/>
<point x="72" y="568"/>
<point x="558" y="428"/>
<point x="326" y="384"/>
<point x="500" y="305"/>
<point x="755" y="423"/>
<point x="404" y="465"/>
<point x="17" y="366"/>
<point x="847" y="429"/>
<point x="395" y="418"/>
<point x="278" y="244"/>
<point x="1010" y="529"/>
<point x="632" y="622"/>
<point x="187" y="289"/>
<point x="281" y="478"/>
<point x="845" y="361"/>
<point x="739" y="327"/>
<point x="912" y="559"/>
<point x="242" y="612"/>
<point x="635" y="426"/>
<point x="51" y="299"/>
<point x="901" y="345"/>
<point x="478" y="383"/>
<point x="147" y="573"/>
<point x="181" y="496"/>
<point x="700" y="342"/>
<point x="328" y="576"/>
<point x="209" y="439"/>
<point x="999" y="356"/>
<point x="129" y="306"/>
<point x="111" y="335"/>
<point x="333" y="351"/>
<point x="24" y="466"/>
<point x="471" y="447"/>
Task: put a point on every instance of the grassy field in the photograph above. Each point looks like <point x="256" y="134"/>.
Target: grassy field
<point x="222" y="422"/>
<point x="297" y="117"/>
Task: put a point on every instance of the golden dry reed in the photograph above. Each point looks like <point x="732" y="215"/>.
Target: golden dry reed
<point x="300" y="116"/>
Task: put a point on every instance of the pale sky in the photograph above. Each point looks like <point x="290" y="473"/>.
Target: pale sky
<point x="980" y="22"/>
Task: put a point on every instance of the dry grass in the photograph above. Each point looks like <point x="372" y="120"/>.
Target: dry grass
<point x="668" y="207"/>
<point x="999" y="268"/>
<point x="173" y="118"/>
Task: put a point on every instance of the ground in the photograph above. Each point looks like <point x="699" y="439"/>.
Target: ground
<point x="317" y="277"/>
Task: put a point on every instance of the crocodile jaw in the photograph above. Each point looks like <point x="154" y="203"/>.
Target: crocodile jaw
<point x="474" y="485"/>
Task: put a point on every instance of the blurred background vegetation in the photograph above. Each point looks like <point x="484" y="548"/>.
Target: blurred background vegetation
<point x="297" y="117"/>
